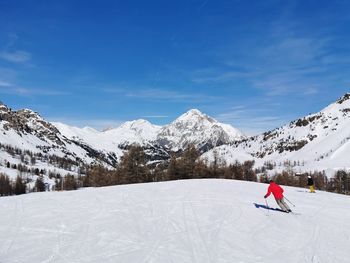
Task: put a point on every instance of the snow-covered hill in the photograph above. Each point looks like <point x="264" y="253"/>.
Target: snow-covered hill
<point x="180" y="221"/>
<point x="318" y="141"/>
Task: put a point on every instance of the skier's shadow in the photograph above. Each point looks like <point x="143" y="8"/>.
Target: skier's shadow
<point x="267" y="207"/>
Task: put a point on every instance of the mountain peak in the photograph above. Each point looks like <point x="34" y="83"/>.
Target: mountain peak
<point x="195" y="112"/>
<point x="142" y="129"/>
<point x="29" y="114"/>
<point x="195" y="127"/>
<point x="136" y="124"/>
<point x="194" y="115"/>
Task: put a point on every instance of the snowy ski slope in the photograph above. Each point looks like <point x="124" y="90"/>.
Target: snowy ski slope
<point x="199" y="221"/>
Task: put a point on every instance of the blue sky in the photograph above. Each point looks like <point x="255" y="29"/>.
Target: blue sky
<point x="253" y="64"/>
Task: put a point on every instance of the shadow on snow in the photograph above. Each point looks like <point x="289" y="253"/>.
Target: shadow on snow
<point x="268" y="208"/>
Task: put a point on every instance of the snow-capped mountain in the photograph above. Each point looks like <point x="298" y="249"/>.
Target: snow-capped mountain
<point x="117" y="140"/>
<point x="15" y="124"/>
<point x="196" y="128"/>
<point x="28" y="131"/>
<point x="318" y="141"/>
<point x="27" y="139"/>
<point x="193" y="127"/>
<point x="130" y="132"/>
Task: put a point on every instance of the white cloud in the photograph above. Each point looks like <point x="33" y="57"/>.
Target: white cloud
<point x="219" y="76"/>
<point x="14" y="90"/>
<point x="287" y="60"/>
<point x="5" y="84"/>
<point x="162" y="94"/>
<point x="310" y="91"/>
<point x="18" y="56"/>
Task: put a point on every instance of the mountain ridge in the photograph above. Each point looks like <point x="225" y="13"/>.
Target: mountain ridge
<point x="26" y="130"/>
<point x="316" y="141"/>
<point x="311" y="140"/>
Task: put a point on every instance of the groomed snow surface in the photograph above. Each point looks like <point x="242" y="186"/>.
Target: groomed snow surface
<point x="180" y="221"/>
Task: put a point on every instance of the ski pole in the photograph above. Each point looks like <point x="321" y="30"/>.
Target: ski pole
<point x="268" y="208"/>
<point x="266" y="203"/>
<point x="289" y="201"/>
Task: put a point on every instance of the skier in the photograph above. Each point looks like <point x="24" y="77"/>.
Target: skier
<point x="310" y="183"/>
<point x="277" y="192"/>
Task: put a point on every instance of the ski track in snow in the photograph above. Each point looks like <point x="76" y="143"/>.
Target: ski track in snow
<point x="199" y="221"/>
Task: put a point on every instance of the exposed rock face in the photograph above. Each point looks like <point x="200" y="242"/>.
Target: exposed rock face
<point x="196" y="128"/>
<point x="29" y="122"/>
<point x="31" y="132"/>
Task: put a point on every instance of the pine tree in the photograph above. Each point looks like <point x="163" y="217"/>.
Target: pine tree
<point x="215" y="165"/>
<point x="158" y="174"/>
<point x="133" y="167"/>
<point x="98" y="176"/>
<point x="5" y="185"/>
<point x="238" y="171"/>
<point x="70" y="183"/>
<point x="228" y="173"/>
<point x="20" y="186"/>
<point x="264" y="178"/>
<point x="188" y="162"/>
<point x="249" y="174"/>
<point x="172" y="171"/>
<point x="201" y="170"/>
<point x="342" y="182"/>
<point x="40" y="185"/>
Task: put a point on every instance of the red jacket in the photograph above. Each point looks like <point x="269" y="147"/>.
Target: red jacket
<point x="276" y="190"/>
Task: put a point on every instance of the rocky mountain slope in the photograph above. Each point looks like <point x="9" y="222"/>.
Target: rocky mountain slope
<point x="319" y="141"/>
<point x="29" y="134"/>
<point x="28" y="142"/>
<point x="27" y="130"/>
<point x="194" y="127"/>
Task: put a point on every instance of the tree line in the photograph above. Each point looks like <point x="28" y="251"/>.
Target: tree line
<point x="9" y="187"/>
<point x="133" y="168"/>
